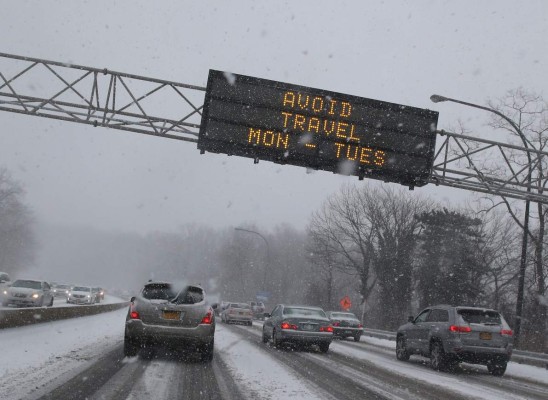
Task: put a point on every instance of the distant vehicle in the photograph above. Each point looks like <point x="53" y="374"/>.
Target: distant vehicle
<point x="237" y="312"/>
<point x="345" y="324"/>
<point x="81" y="295"/>
<point x="5" y="283"/>
<point x="60" y="290"/>
<point x="26" y="292"/>
<point x="162" y="314"/>
<point x="301" y="325"/>
<point x="258" y="309"/>
<point x="449" y="335"/>
<point x="100" y="293"/>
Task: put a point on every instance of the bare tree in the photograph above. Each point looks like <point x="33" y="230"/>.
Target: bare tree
<point x="17" y="241"/>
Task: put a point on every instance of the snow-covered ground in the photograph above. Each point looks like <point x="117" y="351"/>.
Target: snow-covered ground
<point x="260" y="376"/>
<point x="33" y="356"/>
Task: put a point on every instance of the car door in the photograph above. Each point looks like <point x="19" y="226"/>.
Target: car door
<point x="271" y="322"/>
<point x="416" y="331"/>
<point x="436" y="322"/>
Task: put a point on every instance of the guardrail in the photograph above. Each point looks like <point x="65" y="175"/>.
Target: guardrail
<point x="519" y="356"/>
<point x="27" y="316"/>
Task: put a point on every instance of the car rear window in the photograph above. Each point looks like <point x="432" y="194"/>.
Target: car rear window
<point x="343" y="315"/>
<point x="480" y="316"/>
<point x="27" y="284"/>
<point x="190" y="295"/>
<point x="304" y="312"/>
<point x="240" y="305"/>
<point x="159" y="291"/>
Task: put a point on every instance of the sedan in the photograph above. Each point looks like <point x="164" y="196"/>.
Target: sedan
<point x="164" y="314"/>
<point x="24" y="292"/>
<point x="60" y="290"/>
<point x="301" y="325"/>
<point x="81" y="295"/>
<point x="345" y="325"/>
<point x="237" y="312"/>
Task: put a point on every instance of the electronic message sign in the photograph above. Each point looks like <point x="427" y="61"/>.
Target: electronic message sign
<point x="319" y="129"/>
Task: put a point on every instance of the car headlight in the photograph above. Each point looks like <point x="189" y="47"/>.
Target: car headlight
<point x="89" y="295"/>
<point x="5" y="292"/>
<point x="35" y="295"/>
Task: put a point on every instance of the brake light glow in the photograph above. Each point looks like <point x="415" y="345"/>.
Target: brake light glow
<point x="134" y="315"/>
<point x="506" y="332"/>
<point x="328" y="328"/>
<point x="460" y="329"/>
<point x="208" y="318"/>
<point x="287" y="325"/>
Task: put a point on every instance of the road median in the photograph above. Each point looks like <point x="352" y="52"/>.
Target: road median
<point x="11" y="318"/>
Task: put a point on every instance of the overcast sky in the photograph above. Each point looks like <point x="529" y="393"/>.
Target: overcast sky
<point x="396" y="51"/>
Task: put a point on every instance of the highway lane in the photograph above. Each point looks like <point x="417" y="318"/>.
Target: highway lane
<point x="348" y="371"/>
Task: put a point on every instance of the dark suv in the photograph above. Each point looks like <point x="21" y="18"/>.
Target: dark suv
<point x="449" y="335"/>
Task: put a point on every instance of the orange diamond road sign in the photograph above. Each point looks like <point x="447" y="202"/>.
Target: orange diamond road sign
<point x="345" y="303"/>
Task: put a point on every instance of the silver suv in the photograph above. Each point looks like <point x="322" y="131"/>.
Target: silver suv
<point x="449" y="335"/>
<point x="163" y="313"/>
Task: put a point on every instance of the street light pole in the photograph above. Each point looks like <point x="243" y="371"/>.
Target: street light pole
<point x="267" y="252"/>
<point x="523" y="260"/>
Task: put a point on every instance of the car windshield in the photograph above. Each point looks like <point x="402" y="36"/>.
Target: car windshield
<point x="80" y="289"/>
<point x="27" y="284"/>
<point x="343" y="315"/>
<point x="480" y="316"/>
<point x="158" y="292"/>
<point x="303" y="312"/>
<point x="62" y="287"/>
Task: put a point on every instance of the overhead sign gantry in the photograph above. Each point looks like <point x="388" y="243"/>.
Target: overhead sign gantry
<point x="273" y="121"/>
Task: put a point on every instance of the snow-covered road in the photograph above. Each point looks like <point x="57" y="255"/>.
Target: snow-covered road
<point x="82" y="358"/>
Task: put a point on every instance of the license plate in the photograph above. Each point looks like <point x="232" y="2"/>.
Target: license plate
<point x="485" y="336"/>
<point x="173" y="315"/>
<point x="307" y="327"/>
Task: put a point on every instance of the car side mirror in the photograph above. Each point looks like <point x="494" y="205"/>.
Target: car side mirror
<point x="410" y="318"/>
<point x="132" y="299"/>
<point x="266" y="315"/>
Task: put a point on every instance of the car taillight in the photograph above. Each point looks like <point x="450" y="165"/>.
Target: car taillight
<point x="134" y="315"/>
<point x="506" y="332"/>
<point x="360" y="326"/>
<point x="326" y="328"/>
<point x="460" y="329"/>
<point x="208" y="318"/>
<point x="336" y="324"/>
<point x="287" y="325"/>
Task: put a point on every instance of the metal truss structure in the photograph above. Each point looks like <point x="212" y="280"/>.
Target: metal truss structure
<point x="101" y="97"/>
<point x="489" y="167"/>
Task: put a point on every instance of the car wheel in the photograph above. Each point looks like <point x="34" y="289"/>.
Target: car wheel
<point x="206" y="354"/>
<point x="497" y="369"/>
<point x="438" y="359"/>
<point x="265" y="338"/>
<point x="324" y="347"/>
<point x="51" y="302"/>
<point x="357" y="338"/>
<point x="250" y="323"/>
<point x="131" y="347"/>
<point x="275" y="341"/>
<point x="401" y="350"/>
<point x="41" y="302"/>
